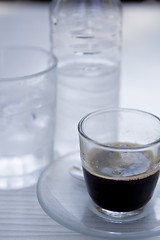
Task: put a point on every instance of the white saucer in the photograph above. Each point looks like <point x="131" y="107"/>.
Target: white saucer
<point x="65" y="199"/>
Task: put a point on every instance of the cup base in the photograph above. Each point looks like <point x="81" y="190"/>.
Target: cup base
<point x="120" y="217"/>
<point x="19" y="182"/>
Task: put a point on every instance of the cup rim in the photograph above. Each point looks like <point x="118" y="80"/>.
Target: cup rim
<point x="116" y="147"/>
<point x="33" y="48"/>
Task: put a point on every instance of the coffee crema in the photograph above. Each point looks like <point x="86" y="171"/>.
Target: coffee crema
<point x="120" y="181"/>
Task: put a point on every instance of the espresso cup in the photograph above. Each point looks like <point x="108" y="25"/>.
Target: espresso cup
<point x="120" y="154"/>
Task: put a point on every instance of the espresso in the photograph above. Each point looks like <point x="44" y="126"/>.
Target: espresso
<point x="120" y="182"/>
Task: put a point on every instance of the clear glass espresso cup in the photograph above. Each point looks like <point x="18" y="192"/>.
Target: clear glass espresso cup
<point x="120" y="154"/>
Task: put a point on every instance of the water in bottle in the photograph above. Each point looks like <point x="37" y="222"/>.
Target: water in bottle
<point x="86" y="38"/>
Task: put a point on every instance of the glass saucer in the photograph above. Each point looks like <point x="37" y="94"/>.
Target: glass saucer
<point x="65" y="199"/>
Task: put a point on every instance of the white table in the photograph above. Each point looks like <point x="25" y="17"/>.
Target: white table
<point x="21" y="217"/>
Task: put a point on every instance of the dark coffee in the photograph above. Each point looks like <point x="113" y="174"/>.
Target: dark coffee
<point x="120" y="182"/>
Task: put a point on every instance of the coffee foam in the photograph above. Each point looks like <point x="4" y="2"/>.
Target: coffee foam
<point x="121" y="165"/>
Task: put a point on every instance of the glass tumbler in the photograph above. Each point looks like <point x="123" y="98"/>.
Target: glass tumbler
<point x="120" y="161"/>
<point x="27" y="114"/>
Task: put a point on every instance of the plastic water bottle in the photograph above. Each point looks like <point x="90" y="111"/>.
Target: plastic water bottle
<point x="86" y="39"/>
